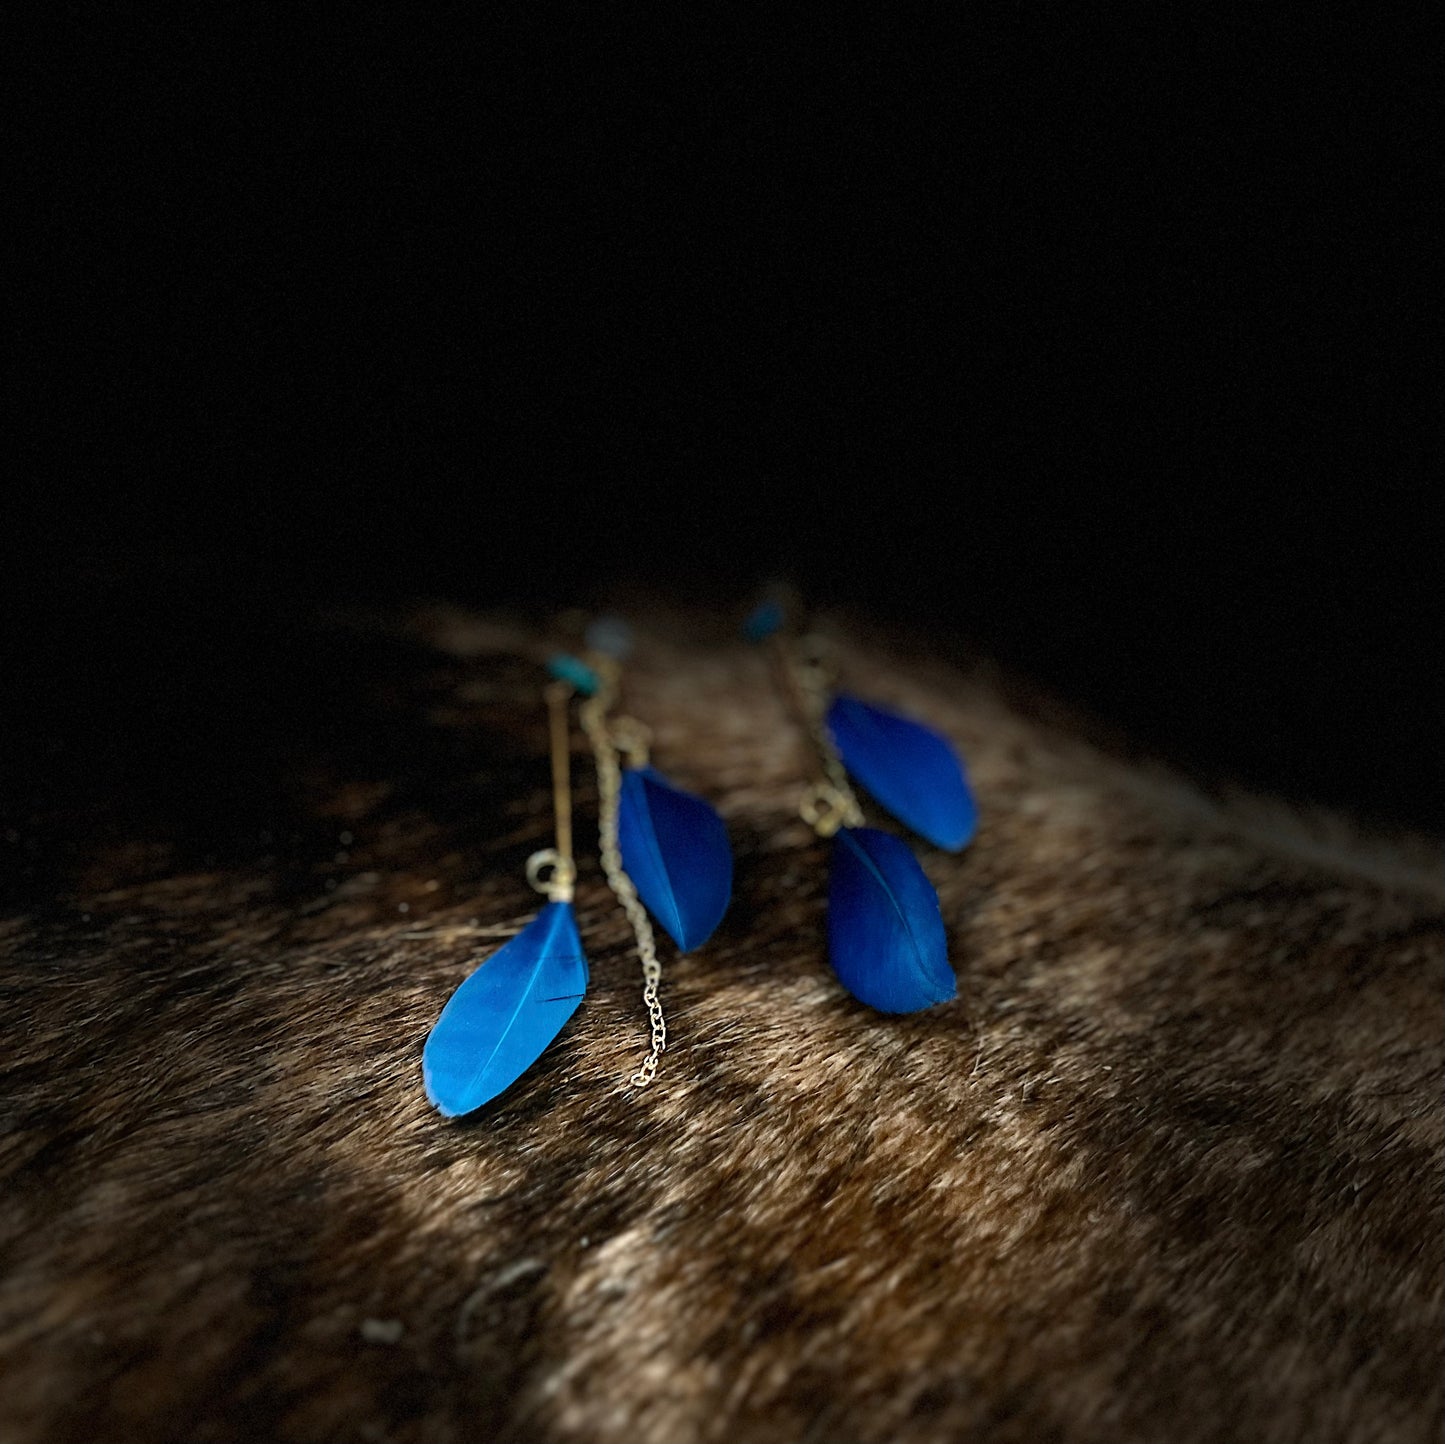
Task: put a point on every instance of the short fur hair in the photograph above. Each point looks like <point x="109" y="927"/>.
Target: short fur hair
<point x="1168" y="1169"/>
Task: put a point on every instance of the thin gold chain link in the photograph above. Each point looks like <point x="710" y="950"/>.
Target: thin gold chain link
<point x="830" y="802"/>
<point x="606" y="740"/>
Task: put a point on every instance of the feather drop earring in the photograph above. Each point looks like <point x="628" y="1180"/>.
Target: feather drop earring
<point x="664" y="851"/>
<point x="502" y="1018"/>
<point x="886" y="940"/>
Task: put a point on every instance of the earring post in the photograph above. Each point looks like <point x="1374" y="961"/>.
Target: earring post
<point x="557" y="696"/>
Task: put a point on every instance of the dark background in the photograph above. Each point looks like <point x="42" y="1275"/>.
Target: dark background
<point x="1088" y="337"/>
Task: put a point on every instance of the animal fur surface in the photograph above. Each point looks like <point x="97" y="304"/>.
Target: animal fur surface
<point x="1169" y="1169"/>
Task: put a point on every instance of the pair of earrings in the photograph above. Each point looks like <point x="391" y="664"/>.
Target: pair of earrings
<point x="665" y="855"/>
<point x="664" y="852"/>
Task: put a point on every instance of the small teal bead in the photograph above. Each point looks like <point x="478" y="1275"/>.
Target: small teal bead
<point x="566" y="668"/>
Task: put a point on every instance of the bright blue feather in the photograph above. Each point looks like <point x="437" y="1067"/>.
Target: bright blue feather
<point x="911" y="771"/>
<point x="496" y="1025"/>
<point x="675" y="850"/>
<point x="885" y="931"/>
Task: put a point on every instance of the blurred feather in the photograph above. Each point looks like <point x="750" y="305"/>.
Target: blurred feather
<point x="909" y="769"/>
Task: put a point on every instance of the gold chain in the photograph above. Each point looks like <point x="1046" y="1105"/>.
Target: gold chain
<point x="631" y="737"/>
<point x="830" y="802"/>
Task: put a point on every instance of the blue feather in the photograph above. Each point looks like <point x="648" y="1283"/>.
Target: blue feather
<point x="675" y="850"/>
<point x="885" y="931"/>
<point x="497" y="1024"/>
<point x="908" y="768"/>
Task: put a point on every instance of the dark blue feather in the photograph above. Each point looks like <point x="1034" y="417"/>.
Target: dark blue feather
<point x="911" y="771"/>
<point x="496" y="1025"/>
<point x="675" y="850"/>
<point x="885" y="931"/>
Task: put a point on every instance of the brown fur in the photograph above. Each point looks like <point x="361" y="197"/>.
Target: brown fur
<point x="1169" y="1169"/>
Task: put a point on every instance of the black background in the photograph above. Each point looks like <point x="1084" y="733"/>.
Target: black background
<point x="1086" y="335"/>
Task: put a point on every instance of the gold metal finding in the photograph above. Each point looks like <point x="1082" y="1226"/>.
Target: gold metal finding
<point x="553" y="871"/>
<point x="825" y="809"/>
<point x="629" y="737"/>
